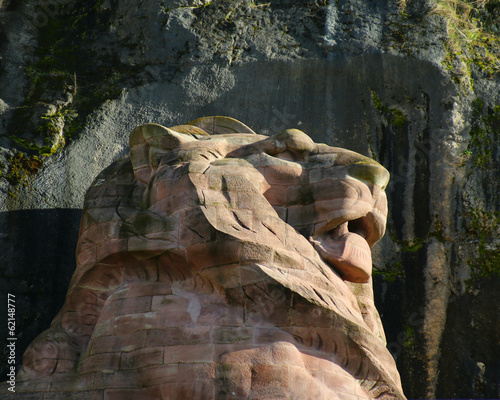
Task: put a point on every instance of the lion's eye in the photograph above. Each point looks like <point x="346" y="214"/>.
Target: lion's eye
<point x="287" y="155"/>
<point x="293" y="155"/>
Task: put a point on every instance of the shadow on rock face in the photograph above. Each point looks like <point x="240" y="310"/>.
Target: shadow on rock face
<point x="37" y="250"/>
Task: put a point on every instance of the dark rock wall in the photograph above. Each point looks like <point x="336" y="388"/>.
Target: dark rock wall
<point x="38" y="259"/>
<point x="470" y="345"/>
<point x="77" y="77"/>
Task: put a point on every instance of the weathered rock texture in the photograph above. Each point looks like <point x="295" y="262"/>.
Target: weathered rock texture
<point x="365" y="75"/>
<point x="193" y="280"/>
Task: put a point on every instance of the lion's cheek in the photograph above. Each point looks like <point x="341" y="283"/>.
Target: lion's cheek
<point x="276" y="195"/>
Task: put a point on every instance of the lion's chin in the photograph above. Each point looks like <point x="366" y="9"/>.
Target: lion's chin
<point x="346" y="252"/>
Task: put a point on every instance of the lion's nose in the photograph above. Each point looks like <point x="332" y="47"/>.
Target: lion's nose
<point x="371" y="172"/>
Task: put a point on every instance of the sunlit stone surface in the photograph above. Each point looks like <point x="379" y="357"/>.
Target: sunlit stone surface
<point x="216" y="263"/>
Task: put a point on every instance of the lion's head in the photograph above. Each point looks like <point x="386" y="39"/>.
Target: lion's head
<point x="215" y="203"/>
<point x="332" y="196"/>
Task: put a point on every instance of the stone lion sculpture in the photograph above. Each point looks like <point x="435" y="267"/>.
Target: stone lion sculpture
<point x="216" y="263"/>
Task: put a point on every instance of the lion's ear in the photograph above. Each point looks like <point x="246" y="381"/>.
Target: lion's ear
<point x="217" y="125"/>
<point x="148" y="143"/>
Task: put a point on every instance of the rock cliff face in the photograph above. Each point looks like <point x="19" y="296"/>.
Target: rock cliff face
<point x="390" y="80"/>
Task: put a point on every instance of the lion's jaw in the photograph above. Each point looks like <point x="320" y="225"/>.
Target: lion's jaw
<point x="344" y="242"/>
